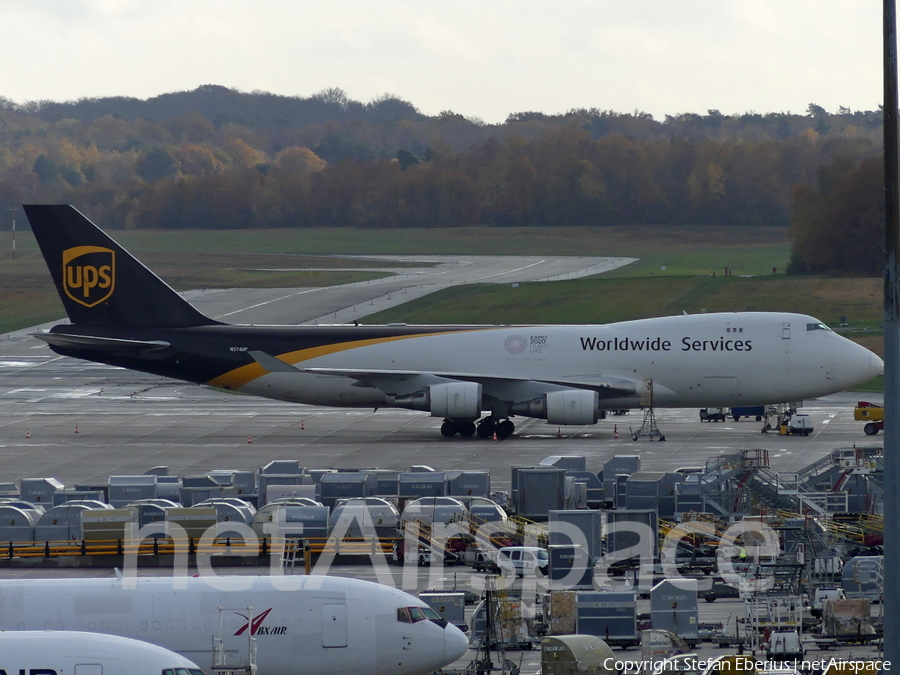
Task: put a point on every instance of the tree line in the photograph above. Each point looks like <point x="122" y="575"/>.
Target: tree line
<point x="837" y="224"/>
<point x="219" y="158"/>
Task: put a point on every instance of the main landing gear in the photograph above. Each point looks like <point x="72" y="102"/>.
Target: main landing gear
<point x="486" y="428"/>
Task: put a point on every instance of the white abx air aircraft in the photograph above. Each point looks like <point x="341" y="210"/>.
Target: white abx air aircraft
<point x="474" y="377"/>
<point x="49" y="652"/>
<point x="300" y="624"/>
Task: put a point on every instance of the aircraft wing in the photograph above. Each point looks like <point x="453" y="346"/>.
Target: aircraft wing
<point x="393" y="382"/>
<point x="94" y="342"/>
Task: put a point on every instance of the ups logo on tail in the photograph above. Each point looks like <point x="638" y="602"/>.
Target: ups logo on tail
<point x="89" y="274"/>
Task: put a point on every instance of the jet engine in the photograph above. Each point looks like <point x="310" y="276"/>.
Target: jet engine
<point x="570" y="406"/>
<point x="453" y="400"/>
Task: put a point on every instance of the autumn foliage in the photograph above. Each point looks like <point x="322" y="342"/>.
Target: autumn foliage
<point x="219" y="158"/>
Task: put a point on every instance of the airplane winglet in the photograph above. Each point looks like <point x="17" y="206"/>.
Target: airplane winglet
<point x="272" y="363"/>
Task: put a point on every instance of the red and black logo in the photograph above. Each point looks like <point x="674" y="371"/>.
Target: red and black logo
<point x="255" y="625"/>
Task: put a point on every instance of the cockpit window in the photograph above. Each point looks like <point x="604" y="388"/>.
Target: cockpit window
<point x="429" y="613"/>
<point x="817" y="326"/>
<point x="414" y="614"/>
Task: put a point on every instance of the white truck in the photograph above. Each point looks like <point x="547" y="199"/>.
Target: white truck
<point x="798" y="425"/>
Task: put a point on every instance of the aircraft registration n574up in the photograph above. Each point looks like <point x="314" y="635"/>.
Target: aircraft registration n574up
<point x="475" y="377"/>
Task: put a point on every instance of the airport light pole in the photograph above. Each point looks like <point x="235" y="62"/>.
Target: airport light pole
<point x="891" y="639"/>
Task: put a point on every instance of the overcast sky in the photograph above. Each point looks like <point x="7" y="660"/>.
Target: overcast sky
<point x="480" y="58"/>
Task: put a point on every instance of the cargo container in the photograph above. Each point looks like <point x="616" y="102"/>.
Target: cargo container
<point x="568" y="463"/>
<point x="39" y="490"/>
<point x="587" y="522"/>
<point x="124" y="490"/>
<point x="335" y="486"/>
<point x="63" y="522"/>
<point x="611" y="616"/>
<point x="414" y="484"/>
<point x="468" y="483"/>
<point x="538" y="490"/>
<point x="673" y="607"/>
<point x="571" y="567"/>
<point x="576" y="655"/>
<point x="451" y="606"/>
<point x="351" y="515"/>
<point x="301" y="518"/>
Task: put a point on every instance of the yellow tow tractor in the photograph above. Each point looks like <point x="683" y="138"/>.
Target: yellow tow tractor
<point x="872" y="413"/>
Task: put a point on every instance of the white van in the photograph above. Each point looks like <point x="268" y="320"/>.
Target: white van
<point x="823" y="595"/>
<point x="523" y="560"/>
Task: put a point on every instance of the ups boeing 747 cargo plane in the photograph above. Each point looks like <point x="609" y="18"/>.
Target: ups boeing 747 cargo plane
<point x="474" y="377"/>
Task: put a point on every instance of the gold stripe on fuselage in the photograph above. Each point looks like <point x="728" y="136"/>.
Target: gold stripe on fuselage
<point x="237" y="378"/>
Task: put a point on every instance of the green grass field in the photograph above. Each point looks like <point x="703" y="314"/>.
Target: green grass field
<point x="604" y="300"/>
<point x="674" y="273"/>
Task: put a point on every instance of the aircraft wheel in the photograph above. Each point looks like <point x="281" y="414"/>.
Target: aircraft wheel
<point x="738" y="417"/>
<point x="449" y="429"/>
<point x="505" y="429"/>
<point x="485" y="429"/>
<point x="870" y="429"/>
<point x="467" y="429"/>
<point x="662" y="438"/>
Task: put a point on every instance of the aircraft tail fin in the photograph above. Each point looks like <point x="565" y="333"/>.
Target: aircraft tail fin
<point x="99" y="282"/>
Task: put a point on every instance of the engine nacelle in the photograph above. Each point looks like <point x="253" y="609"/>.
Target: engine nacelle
<point x="456" y="400"/>
<point x="571" y="406"/>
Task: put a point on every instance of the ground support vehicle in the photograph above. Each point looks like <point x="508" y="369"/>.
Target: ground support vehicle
<point x="756" y="411"/>
<point x="712" y="414"/>
<point x="872" y="414"/>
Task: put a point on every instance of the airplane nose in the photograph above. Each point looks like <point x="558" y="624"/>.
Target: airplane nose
<point x="455" y="643"/>
<point x="876" y="366"/>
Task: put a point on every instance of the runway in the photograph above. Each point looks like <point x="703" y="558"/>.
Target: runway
<point x="128" y="422"/>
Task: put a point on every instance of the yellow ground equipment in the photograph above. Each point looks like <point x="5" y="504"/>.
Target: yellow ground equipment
<point x="873" y="415"/>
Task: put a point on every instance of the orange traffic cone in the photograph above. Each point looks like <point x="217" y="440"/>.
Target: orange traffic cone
<point x="558" y="432"/>
<point x="615" y="430"/>
<point x="249" y="438"/>
<point x="76" y="427"/>
<point x="302" y="426"/>
<point x="495" y="435"/>
<point x="28" y="433"/>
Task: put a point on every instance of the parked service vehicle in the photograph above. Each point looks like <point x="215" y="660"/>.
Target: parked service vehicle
<point x="784" y="645"/>
<point x="824" y="594"/>
<point x="872" y="413"/>
<point x="715" y="588"/>
<point x="712" y="414"/>
<point x="798" y="425"/>
<point x="756" y="411"/>
<point x="523" y="560"/>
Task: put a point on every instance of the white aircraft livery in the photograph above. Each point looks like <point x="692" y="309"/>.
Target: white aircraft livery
<point x="76" y="653"/>
<point x="298" y="624"/>
<point x="474" y="377"/>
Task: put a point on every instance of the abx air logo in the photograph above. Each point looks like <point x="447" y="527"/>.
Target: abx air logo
<point x="255" y="626"/>
<point x="89" y="274"/>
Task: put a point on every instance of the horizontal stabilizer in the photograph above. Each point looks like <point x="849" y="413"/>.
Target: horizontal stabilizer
<point x="94" y="342"/>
